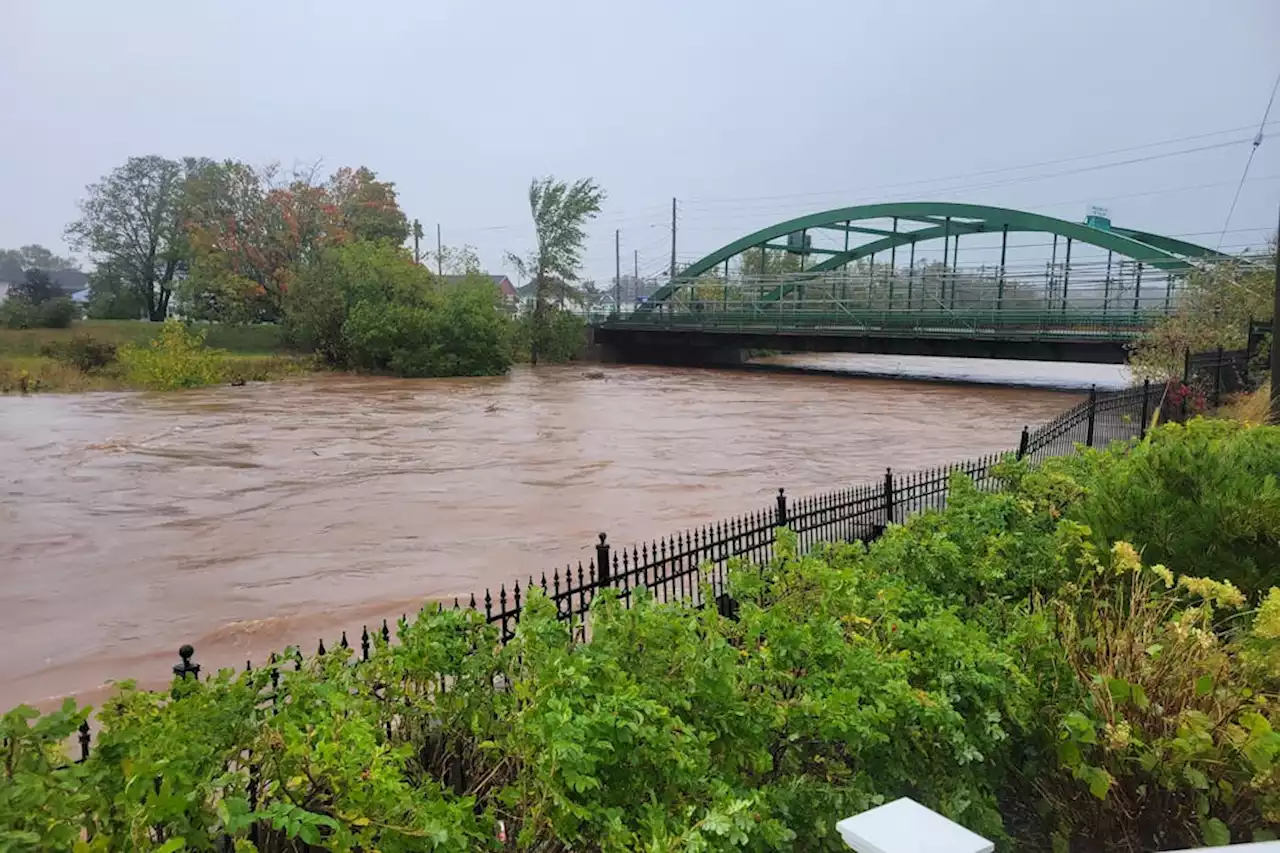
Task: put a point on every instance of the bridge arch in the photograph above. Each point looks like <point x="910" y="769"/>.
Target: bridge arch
<point x="940" y="220"/>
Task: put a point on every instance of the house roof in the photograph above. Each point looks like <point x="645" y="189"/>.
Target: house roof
<point x="500" y="281"/>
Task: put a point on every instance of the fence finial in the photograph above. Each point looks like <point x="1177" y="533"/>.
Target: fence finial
<point x="602" y="559"/>
<point x="182" y="670"/>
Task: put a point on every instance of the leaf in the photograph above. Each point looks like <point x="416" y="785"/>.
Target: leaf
<point x="1139" y="697"/>
<point x="1216" y="833"/>
<point x="1204" y="685"/>
<point x="1119" y="689"/>
<point x="172" y="845"/>
<point x="1196" y="778"/>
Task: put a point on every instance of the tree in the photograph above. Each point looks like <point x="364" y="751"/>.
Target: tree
<point x="758" y="262"/>
<point x="36" y="256"/>
<point x="113" y="298"/>
<point x="36" y="288"/>
<point x="560" y="211"/>
<point x="450" y="260"/>
<point x="367" y="206"/>
<point x="1214" y="306"/>
<point x="134" y="220"/>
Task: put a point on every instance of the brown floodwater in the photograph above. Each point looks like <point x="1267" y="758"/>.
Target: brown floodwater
<point x="245" y="519"/>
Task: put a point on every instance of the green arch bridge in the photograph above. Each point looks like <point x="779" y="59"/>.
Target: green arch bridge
<point x="867" y="291"/>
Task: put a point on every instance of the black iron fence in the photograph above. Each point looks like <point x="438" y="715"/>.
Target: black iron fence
<point x="685" y="566"/>
<point x="689" y="566"/>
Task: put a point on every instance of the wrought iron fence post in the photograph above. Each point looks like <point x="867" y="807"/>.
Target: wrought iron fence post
<point x="602" y="559"/>
<point x="1217" y="380"/>
<point x="1146" y="400"/>
<point x="182" y="670"/>
<point x="888" y="496"/>
<point x="1024" y="441"/>
<point x="782" y="508"/>
<point x="1186" y="383"/>
<point x="84" y="741"/>
<point x="1093" y="414"/>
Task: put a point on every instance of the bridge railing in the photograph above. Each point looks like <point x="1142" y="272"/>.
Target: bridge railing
<point x="1105" y="298"/>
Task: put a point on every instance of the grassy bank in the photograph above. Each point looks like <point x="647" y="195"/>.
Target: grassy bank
<point x="40" y="374"/>
<point x="255" y="340"/>
<point x="115" y="355"/>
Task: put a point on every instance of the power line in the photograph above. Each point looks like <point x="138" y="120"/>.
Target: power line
<point x="981" y="173"/>
<point x="1257" y="143"/>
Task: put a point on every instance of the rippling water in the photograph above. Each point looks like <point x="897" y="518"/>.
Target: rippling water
<point x="243" y="519"/>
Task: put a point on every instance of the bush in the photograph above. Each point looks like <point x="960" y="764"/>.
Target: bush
<point x="1202" y="498"/>
<point x="57" y="313"/>
<point x="368" y="306"/>
<point x="83" y="352"/>
<point x="19" y="313"/>
<point x="175" y="358"/>
<point x="561" y="337"/>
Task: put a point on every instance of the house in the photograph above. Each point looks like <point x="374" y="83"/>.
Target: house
<point x="503" y="284"/>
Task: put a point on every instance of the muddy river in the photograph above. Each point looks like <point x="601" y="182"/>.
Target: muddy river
<point x="245" y="519"/>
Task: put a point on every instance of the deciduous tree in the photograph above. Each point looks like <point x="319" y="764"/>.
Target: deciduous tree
<point x="560" y="210"/>
<point x="134" y="220"/>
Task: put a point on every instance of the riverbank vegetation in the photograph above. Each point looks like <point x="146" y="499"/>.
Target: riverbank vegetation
<point x="1215" y="307"/>
<point x="267" y="263"/>
<point x="1087" y="659"/>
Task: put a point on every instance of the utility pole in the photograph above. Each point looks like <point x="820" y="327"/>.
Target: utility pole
<point x="1275" y="344"/>
<point x="673" y="239"/>
<point x="417" y="235"/>
<point x="635" y="274"/>
<point x="439" y="252"/>
<point x="617" y="270"/>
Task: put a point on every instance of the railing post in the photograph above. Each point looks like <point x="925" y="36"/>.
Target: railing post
<point x="782" y="508"/>
<point x="1093" y="414"/>
<point x="1023" y="442"/>
<point x="182" y="670"/>
<point x="1186" y="383"/>
<point x="888" y="496"/>
<point x="1146" y="400"/>
<point x="602" y="560"/>
<point x="83" y="737"/>
<point x="1217" y="380"/>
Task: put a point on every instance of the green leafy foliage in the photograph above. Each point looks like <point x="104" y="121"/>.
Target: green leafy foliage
<point x="1202" y="498"/>
<point x="559" y="337"/>
<point x="175" y="358"/>
<point x="82" y="351"/>
<point x="991" y="660"/>
<point x="369" y="307"/>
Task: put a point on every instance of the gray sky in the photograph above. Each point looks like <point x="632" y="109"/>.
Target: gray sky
<point x="748" y="112"/>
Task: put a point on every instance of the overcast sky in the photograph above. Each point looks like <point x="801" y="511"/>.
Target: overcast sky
<point x="748" y="112"/>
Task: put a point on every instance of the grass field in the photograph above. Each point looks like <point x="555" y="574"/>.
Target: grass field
<point x="255" y="340"/>
<point x="255" y="353"/>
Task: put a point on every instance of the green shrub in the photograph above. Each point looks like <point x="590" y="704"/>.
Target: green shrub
<point x="57" y="313"/>
<point x="562" y="336"/>
<point x="1202" y="498"/>
<point x="175" y="358"/>
<point x="368" y="306"/>
<point x="19" y="313"/>
<point x="83" y="352"/>
<point x="1175" y="743"/>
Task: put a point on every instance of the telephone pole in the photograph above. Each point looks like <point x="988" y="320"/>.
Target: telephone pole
<point x="635" y="274"/>
<point x="439" y="252"/>
<point x="1275" y="343"/>
<point x="673" y="239"/>
<point x="417" y="235"/>
<point x="617" y="271"/>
